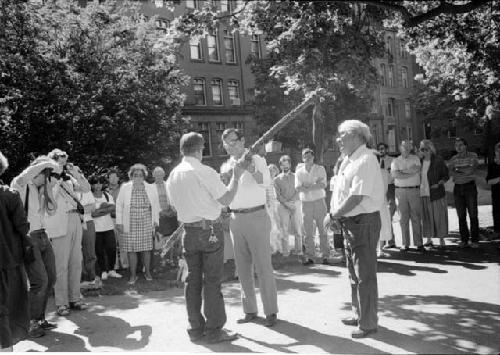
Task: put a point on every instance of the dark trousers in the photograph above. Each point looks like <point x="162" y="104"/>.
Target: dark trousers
<point x="391" y="198"/>
<point x="88" y="252"/>
<point x="41" y="274"/>
<point x="105" y="249"/>
<point x="466" y="201"/>
<point x="205" y="261"/>
<point x="495" y="204"/>
<point x="361" y="237"/>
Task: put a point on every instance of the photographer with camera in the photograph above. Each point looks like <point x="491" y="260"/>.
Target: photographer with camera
<point x="65" y="230"/>
<point x="35" y="188"/>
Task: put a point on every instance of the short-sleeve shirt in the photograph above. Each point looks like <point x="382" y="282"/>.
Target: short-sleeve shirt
<point x="316" y="174"/>
<point x="401" y="163"/>
<point x="463" y="168"/>
<point x="87" y="199"/>
<point x="103" y="223"/>
<point x="194" y="189"/>
<point x="285" y="186"/>
<point x="359" y="175"/>
<point x="250" y="193"/>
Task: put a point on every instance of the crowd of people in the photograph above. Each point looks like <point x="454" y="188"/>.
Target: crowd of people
<point x="63" y="231"/>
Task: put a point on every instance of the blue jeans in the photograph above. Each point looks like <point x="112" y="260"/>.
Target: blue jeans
<point x="41" y="274"/>
<point x="205" y="261"/>
<point x="466" y="200"/>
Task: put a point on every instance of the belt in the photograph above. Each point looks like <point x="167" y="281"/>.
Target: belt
<point x="38" y="231"/>
<point x="203" y="224"/>
<point x="248" y="210"/>
<point x="467" y="183"/>
<point x="407" y="187"/>
<point x="74" y="210"/>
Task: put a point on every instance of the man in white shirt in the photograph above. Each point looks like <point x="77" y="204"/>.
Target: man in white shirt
<point x="405" y="170"/>
<point x="357" y="195"/>
<point x="385" y="163"/>
<point x="310" y="182"/>
<point x="198" y="195"/>
<point x="250" y="230"/>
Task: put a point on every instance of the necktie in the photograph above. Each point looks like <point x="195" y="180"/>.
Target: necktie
<point x="382" y="163"/>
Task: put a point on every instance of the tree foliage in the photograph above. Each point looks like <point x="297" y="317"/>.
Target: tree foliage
<point x="98" y="82"/>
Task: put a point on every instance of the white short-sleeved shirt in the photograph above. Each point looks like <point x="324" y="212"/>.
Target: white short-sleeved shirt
<point x="194" y="189"/>
<point x="103" y="223"/>
<point x="401" y="163"/>
<point x="317" y="173"/>
<point x="87" y="199"/>
<point x="250" y="193"/>
<point x="359" y="174"/>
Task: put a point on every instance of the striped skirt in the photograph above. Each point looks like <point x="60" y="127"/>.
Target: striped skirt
<point x="434" y="217"/>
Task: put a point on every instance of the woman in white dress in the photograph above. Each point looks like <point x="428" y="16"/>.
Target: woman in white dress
<point x="385" y="217"/>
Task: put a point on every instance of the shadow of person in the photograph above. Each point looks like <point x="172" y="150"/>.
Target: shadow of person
<point x="405" y="269"/>
<point x="61" y="342"/>
<point x="445" y="324"/>
<point x="225" y="347"/>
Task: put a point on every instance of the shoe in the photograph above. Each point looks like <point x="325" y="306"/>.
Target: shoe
<point x="78" y="305"/>
<point x="132" y="281"/>
<point x="35" y="330"/>
<point x="104" y="275"/>
<point x="308" y="262"/>
<point x="428" y="244"/>
<point x="421" y="249"/>
<point x="350" y="321"/>
<point x="249" y="317"/>
<point x="271" y="320"/>
<point x="390" y="246"/>
<point x="46" y="325"/>
<point x="441" y="247"/>
<point x="222" y="336"/>
<point x="90" y="285"/>
<point x="404" y="249"/>
<point x="195" y="335"/>
<point x="114" y="274"/>
<point x="361" y="333"/>
<point x="63" y="310"/>
<point x="381" y="254"/>
<point x="148" y="277"/>
<point x="474" y="245"/>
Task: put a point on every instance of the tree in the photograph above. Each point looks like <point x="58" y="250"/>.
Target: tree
<point x="98" y="81"/>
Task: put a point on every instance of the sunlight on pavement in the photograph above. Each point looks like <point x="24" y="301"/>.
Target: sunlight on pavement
<point x="431" y="308"/>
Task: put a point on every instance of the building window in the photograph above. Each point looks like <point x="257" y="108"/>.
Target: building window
<point x="219" y="129"/>
<point x="225" y="5"/>
<point x="391" y="76"/>
<point x="402" y="51"/>
<point x="404" y="77"/>
<point x="391" y="107"/>
<point x="213" y="47"/>
<point x="389" y="45"/>
<point x="255" y="46"/>
<point x="229" y="47"/>
<point x="239" y="125"/>
<point x="162" y="24"/>
<point x="196" y="50"/>
<point x="409" y="133"/>
<point x="159" y="3"/>
<point x="191" y="4"/>
<point x="217" y="91"/>
<point x="407" y="109"/>
<point x="383" y="75"/>
<point x="199" y="92"/>
<point x="233" y="88"/>
<point x="204" y="130"/>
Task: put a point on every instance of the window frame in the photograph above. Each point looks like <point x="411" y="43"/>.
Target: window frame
<point x="233" y="83"/>
<point x="255" y="42"/>
<point x="390" y="76"/>
<point x="217" y="47"/>
<point x="204" y="129"/>
<point x="230" y="36"/>
<point x="383" y="74"/>
<point x="404" y="77"/>
<point x="217" y="82"/>
<point x="200" y="49"/>
<point x="204" y="91"/>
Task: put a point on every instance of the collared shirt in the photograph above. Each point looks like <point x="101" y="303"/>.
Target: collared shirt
<point x="359" y="175"/>
<point x="316" y="174"/>
<point x="401" y="163"/>
<point x="250" y="193"/>
<point x="162" y="195"/>
<point x="104" y="223"/>
<point x="385" y="163"/>
<point x="463" y="169"/>
<point x="284" y="184"/>
<point x="194" y="189"/>
<point x="35" y="213"/>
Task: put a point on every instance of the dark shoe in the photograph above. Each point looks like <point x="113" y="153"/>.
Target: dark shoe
<point x="350" y="321"/>
<point x="428" y="244"/>
<point x="308" y="262"/>
<point x="195" y="335"/>
<point x="35" y="330"/>
<point x="249" y="317"/>
<point x="78" y="305"/>
<point x="47" y="326"/>
<point x="222" y="336"/>
<point x="404" y="249"/>
<point x="421" y="249"/>
<point x="271" y="320"/>
<point x="361" y="333"/>
<point x="390" y="246"/>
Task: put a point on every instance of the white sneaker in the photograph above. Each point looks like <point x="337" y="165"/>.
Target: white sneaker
<point x="113" y="273"/>
<point x="104" y="275"/>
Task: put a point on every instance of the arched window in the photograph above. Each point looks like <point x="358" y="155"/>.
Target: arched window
<point x="383" y="75"/>
<point x="404" y="77"/>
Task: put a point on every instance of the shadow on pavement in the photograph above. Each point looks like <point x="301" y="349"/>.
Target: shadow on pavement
<point x="451" y="324"/>
<point x="405" y="269"/>
<point x="309" y="337"/>
<point x="61" y="342"/>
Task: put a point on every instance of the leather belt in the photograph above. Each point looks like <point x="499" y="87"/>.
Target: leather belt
<point x="248" y="210"/>
<point x="407" y="187"/>
<point x="203" y="224"/>
<point x="38" y="231"/>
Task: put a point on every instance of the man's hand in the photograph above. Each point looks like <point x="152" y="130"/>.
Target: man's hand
<point x="239" y="169"/>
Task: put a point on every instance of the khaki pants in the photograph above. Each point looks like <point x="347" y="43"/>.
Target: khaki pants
<point x="252" y="249"/>
<point x="410" y="208"/>
<point x="315" y="211"/>
<point x="68" y="255"/>
<point x="295" y="217"/>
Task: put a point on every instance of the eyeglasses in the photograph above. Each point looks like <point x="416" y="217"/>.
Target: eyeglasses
<point x="423" y="150"/>
<point x="231" y="141"/>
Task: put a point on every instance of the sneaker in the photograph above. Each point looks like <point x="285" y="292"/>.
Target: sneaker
<point x="63" y="310"/>
<point x="35" y="330"/>
<point x="474" y="245"/>
<point x="104" y="275"/>
<point x="46" y="325"/>
<point x="428" y="244"/>
<point x="390" y="246"/>
<point x="113" y="273"/>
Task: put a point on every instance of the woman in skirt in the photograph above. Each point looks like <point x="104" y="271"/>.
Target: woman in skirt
<point x="137" y="215"/>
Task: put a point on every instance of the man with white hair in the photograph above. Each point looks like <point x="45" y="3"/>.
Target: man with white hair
<point x="355" y="204"/>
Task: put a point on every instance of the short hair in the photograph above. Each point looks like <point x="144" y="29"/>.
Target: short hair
<point x="239" y="133"/>
<point x="4" y="163"/>
<point x="497" y="146"/>
<point x="191" y="143"/>
<point x="357" y="127"/>
<point x="382" y="144"/>
<point x="113" y="171"/>
<point x="158" y="168"/>
<point x="429" y="145"/>
<point x="56" y="154"/>
<point x="140" y="167"/>
<point x="461" y="139"/>
<point x="273" y="166"/>
<point x="41" y="159"/>
<point x="285" y="158"/>
<point x="307" y="150"/>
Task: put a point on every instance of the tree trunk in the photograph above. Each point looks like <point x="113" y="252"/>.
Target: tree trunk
<point x="318" y="128"/>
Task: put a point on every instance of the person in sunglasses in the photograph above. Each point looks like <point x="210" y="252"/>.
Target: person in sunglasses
<point x="434" y="175"/>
